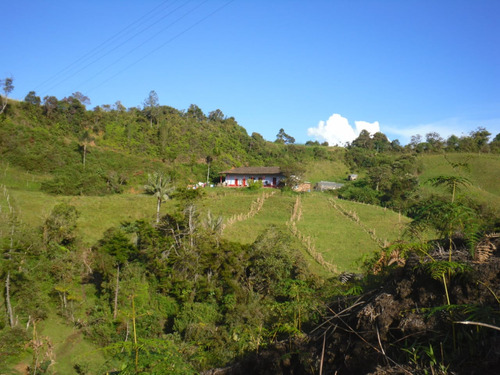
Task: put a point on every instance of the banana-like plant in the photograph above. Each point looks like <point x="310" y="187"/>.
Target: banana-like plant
<point x="451" y="183"/>
<point x="159" y="186"/>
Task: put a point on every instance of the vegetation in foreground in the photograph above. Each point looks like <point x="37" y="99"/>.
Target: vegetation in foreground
<point x="185" y="290"/>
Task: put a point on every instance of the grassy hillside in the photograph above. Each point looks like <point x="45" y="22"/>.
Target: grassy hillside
<point x="342" y="231"/>
<point x="328" y="170"/>
<point x="333" y="232"/>
<point x="482" y="170"/>
<point x="68" y="347"/>
<point x="246" y="215"/>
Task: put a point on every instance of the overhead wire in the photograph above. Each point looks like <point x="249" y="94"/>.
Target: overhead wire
<point x="107" y="47"/>
<point x="146" y="41"/>
<point x="61" y="76"/>
<point x="163" y="44"/>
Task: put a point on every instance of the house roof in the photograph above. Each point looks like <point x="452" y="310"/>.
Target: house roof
<point x="253" y="170"/>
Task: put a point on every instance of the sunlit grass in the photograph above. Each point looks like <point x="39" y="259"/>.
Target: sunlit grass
<point x="69" y="346"/>
<point x="341" y="241"/>
<point x="325" y="170"/>
<point x="482" y="170"/>
<point x="276" y="211"/>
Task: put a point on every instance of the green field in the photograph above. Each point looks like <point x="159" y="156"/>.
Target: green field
<point x="340" y="240"/>
<point x="482" y="170"/>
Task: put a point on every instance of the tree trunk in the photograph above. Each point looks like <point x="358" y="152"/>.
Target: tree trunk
<point x="84" y="154"/>
<point x="158" y="205"/>
<point x="136" y="347"/>
<point x="115" y="308"/>
<point x="7" y="300"/>
<point x="7" y="281"/>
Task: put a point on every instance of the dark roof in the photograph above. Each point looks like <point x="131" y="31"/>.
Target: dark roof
<point x="253" y="170"/>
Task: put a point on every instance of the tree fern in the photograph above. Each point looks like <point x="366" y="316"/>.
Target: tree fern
<point x="443" y="271"/>
<point x="159" y="186"/>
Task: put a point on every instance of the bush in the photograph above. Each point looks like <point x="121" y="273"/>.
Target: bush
<point x="363" y="194"/>
<point x="72" y="180"/>
<point x="254" y="185"/>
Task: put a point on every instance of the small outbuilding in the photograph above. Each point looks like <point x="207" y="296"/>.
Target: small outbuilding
<point x="327" y="185"/>
<point x="303" y="187"/>
<point x="352" y="177"/>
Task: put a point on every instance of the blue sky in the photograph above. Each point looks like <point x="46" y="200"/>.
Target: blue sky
<point x="318" y="69"/>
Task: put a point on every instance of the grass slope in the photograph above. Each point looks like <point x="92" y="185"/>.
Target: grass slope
<point x="482" y="170"/>
<point x="65" y="346"/>
<point x="275" y="211"/>
<point x="338" y="238"/>
<point x="325" y="170"/>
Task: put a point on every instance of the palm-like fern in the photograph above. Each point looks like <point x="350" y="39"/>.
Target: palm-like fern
<point x="451" y="183"/>
<point x="444" y="270"/>
<point x="159" y="186"/>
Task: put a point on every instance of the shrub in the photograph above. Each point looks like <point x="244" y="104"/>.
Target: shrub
<point x="363" y="194"/>
<point x="72" y="180"/>
<point x="254" y="185"/>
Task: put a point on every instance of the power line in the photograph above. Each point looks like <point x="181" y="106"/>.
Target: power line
<point x="151" y="38"/>
<point x="108" y="52"/>
<point x="162" y="45"/>
<point x="96" y="50"/>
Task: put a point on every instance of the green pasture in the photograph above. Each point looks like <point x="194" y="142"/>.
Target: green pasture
<point x="339" y="239"/>
<point x="276" y="211"/>
<point x="387" y="225"/>
<point x="227" y="202"/>
<point x="325" y="170"/>
<point x="68" y="348"/>
<point x="96" y="213"/>
<point x="482" y="170"/>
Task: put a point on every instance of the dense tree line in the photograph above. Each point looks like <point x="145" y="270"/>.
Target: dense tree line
<point x="477" y="141"/>
<point x="102" y="150"/>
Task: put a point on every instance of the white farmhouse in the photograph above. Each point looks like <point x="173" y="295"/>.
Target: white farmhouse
<point x="240" y="177"/>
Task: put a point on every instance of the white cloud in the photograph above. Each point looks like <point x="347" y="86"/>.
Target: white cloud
<point x="372" y="127"/>
<point x="337" y="130"/>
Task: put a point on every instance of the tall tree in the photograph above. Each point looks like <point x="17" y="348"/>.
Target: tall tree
<point x="282" y="137"/>
<point x="83" y="99"/>
<point x="216" y="115"/>
<point x="8" y="260"/>
<point x="7" y="87"/>
<point x="152" y="106"/>
<point x="85" y="139"/>
<point x="363" y="140"/>
<point x="435" y="141"/>
<point x="195" y="112"/>
<point x="159" y="186"/>
<point x="209" y="160"/>
<point x="32" y="98"/>
<point x="452" y="143"/>
<point x="480" y="137"/>
<point x="380" y="142"/>
<point x="116" y="244"/>
<point x="415" y="141"/>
